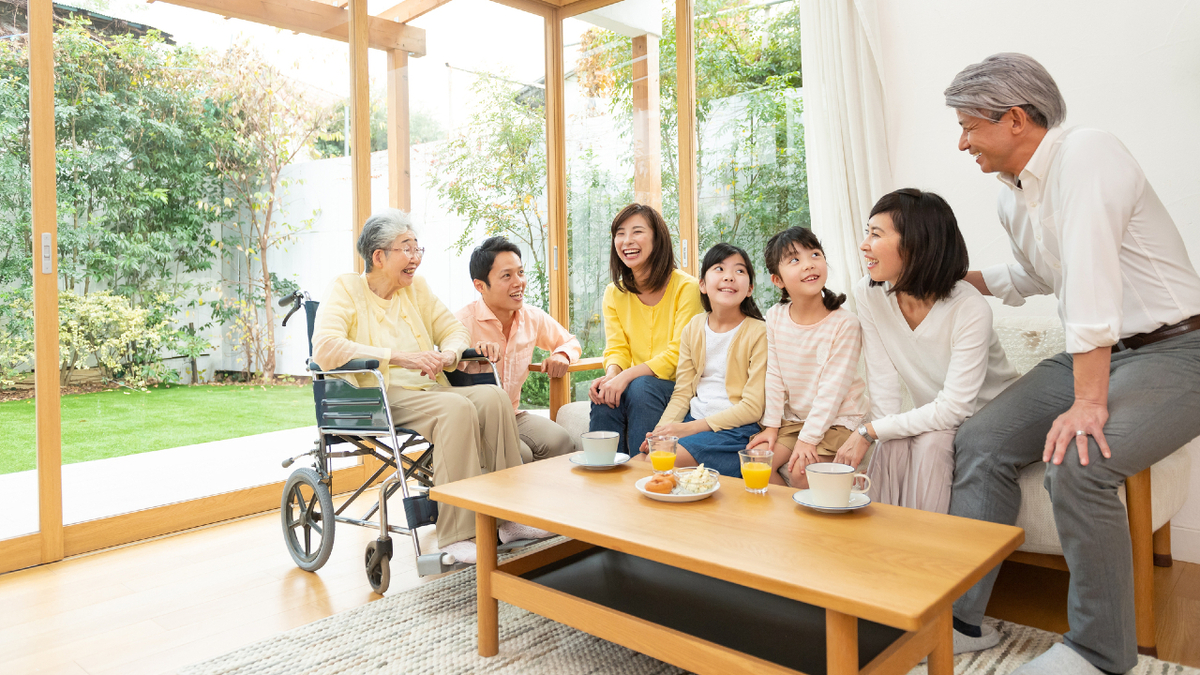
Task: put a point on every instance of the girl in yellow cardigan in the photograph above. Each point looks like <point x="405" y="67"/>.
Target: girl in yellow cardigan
<point x="718" y="397"/>
<point x="645" y="309"/>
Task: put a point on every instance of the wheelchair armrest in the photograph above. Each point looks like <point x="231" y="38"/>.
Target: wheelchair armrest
<point x="353" y="364"/>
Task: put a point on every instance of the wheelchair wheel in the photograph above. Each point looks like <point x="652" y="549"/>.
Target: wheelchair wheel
<point x="308" y="519"/>
<point x="379" y="573"/>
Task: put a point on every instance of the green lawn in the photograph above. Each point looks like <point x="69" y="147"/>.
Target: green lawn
<point x="115" y="423"/>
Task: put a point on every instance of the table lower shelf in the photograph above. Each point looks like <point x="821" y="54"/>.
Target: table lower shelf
<point x="743" y="620"/>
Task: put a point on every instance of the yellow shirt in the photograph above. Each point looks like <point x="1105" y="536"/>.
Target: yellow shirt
<point x="354" y="323"/>
<point x="636" y="334"/>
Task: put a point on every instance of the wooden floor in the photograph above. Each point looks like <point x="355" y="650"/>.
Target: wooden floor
<point x="157" y="606"/>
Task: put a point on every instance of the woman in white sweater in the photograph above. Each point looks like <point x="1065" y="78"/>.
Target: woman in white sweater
<point x="926" y="327"/>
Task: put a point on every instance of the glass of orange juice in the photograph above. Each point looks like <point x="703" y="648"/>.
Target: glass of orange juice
<point x="756" y="469"/>
<point x="662" y="453"/>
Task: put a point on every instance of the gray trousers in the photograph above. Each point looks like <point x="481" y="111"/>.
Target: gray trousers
<point x="1154" y="409"/>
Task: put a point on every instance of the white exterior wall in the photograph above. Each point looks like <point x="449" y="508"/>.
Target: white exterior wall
<point x="1130" y="68"/>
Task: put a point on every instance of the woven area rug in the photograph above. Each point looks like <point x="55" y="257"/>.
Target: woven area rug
<point x="431" y="630"/>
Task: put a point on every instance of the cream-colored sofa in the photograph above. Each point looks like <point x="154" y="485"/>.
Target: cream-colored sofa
<point x="1028" y="340"/>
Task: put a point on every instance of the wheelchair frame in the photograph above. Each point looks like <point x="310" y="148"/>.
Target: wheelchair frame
<point x="362" y="418"/>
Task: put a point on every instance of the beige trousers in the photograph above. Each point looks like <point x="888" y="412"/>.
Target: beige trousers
<point x="914" y="472"/>
<point x="541" y="438"/>
<point x="473" y="430"/>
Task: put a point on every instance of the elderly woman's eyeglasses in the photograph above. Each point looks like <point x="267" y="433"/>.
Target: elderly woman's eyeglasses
<point x="411" y="251"/>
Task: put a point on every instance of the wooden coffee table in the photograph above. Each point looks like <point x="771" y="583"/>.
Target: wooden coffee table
<point x="736" y="583"/>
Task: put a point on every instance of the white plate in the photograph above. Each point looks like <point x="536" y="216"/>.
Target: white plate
<point x="577" y="459"/>
<point x="658" y="496"/>
<point x="857" y="501"/>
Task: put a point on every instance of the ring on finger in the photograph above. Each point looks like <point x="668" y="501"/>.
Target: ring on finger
<point x="1078" y="432"/>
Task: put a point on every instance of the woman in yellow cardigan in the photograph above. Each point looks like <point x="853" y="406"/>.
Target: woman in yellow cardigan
<point x="722" y="372"/>
<point x="388" y="313"/>
<point x="645" y="309"/>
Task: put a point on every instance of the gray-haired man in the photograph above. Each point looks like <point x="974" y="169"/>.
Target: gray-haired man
<point x="1085" y="225"/>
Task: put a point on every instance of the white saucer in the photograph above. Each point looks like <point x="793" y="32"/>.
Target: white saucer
<point x="857" y="501"/>
<point x="577" y="460"/>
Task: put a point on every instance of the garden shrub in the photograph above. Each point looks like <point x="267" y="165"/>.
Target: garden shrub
<point x="16" y="334"/>
<point x="124" y="340"/>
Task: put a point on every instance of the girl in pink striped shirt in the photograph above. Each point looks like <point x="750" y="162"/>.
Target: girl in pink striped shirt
<point x="814" y="395"/>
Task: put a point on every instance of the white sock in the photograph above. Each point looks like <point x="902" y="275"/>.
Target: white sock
<point x="510" y="531"/>
<point x="463" y="551"/>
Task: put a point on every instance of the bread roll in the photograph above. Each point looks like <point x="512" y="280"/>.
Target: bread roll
<point x="662" y="484"/>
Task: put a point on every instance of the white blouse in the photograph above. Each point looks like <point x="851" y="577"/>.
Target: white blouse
<point x="1086" y="226"/>
<point x="952" y="362"/>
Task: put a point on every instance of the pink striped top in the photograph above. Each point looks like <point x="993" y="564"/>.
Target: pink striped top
<point x="812" y="373"/>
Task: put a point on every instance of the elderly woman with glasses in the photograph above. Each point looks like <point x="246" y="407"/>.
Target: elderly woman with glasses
<point x="389" y="313"/>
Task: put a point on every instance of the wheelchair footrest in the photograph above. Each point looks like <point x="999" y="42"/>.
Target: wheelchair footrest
<point x="431" y="563"/>
<point x="420" y="510"/>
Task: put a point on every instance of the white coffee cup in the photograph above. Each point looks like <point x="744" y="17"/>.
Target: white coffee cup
<point x="830" y="484"/>
<point x="600" y="447"/>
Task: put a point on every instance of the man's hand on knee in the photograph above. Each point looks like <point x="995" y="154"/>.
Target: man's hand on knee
<point x="1081" y="420"/>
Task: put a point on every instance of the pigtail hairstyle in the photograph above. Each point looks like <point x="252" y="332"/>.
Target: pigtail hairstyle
<point x="791" y="241"/>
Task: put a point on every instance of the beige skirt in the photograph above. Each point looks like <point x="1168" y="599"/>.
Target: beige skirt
<point x="914" y="472"/>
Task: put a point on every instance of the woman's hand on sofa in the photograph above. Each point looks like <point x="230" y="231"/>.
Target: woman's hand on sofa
<point x="852" y="451"/>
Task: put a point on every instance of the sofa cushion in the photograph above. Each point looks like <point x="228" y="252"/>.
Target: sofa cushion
<point x="574" y="418"/>
<point x="1169" y="489"/>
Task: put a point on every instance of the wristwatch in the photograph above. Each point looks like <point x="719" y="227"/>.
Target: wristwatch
<point x="862" y="431"/>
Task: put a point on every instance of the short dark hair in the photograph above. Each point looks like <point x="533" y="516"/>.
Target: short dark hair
<point x="789" y="241"/>
<point x="931" y="245"/>
<point x="715" y="255"/>
<point x="662" y="258"/>
<point x="484" y="256"/>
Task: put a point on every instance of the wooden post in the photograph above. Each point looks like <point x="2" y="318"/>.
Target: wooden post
<point x="841" y="643"/>
<point x="1162" y="546"/>
<point x="360" y="123"/>
<point x="399" y="145"/>
<point x="941" y="659"/>
<point x="647" y="136"/>
<point x="487" y="609"/>
<point x="45" y="277"/>
<point x="556" y="195"/>
<point x="1137" y="501"/>
<point x="685" y="79"/>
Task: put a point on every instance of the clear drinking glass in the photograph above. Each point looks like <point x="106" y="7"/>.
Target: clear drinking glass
<point x="662" y="453"/>
<point x="756" y="469"/>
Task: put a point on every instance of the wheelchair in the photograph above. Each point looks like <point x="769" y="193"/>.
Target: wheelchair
<point x="357" y="422"/>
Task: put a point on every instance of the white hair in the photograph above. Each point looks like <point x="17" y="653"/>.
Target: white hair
<point x="1001" y="82"/>
<point x="380" y="230"/>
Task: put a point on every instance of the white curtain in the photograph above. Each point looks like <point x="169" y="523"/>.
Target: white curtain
<point x="847" y="155"/>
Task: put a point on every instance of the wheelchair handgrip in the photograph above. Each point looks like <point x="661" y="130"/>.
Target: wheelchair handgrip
<point x="472" y="354"/>
<point x="285" y="301"/>
<point x="353" y="364"/>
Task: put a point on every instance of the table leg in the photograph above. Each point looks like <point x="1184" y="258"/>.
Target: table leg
<point x="941" y="659"/>
<point x="841" y="643"/>
<point x="485" y="564"/>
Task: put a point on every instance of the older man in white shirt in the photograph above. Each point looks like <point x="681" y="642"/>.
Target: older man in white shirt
<point x="1086" y="226"/>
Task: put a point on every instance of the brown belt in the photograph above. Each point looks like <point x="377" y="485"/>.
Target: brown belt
<point x="1174" y="330"/>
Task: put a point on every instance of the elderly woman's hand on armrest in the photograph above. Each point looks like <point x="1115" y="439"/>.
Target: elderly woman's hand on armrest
<point x="428" y="363"/>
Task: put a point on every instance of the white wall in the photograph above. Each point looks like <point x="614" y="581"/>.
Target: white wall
<point x="1132" y="68"/>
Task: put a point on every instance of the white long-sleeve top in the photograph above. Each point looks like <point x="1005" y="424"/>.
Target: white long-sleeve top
<point x="812" y="373"/>
<point x="952" y="362"/>
<point x="1086" y="225"/>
